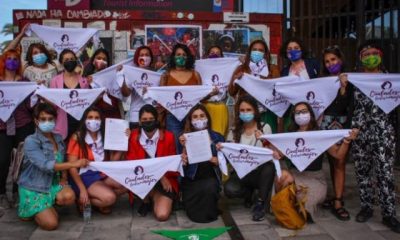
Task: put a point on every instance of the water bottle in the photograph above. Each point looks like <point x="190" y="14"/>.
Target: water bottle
<point x="87" y="213"/>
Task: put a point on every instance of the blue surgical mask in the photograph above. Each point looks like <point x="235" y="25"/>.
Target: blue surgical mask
<point x="294" y="55"/>
<point x="246" y="117"/>
<point x="256" y="56"/>
<point x="46" y="126"/>
<point x="39" y="59"/>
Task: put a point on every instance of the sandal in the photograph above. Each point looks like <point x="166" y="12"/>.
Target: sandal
<point x="327" y="204"/>
<point x="340" y="213"/>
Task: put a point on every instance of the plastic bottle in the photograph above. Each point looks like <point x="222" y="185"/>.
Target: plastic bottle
<point x="87" y="213"/>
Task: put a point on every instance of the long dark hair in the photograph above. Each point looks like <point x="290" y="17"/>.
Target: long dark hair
<point x="188" y="122"/>
<point x="238" y="128"/>
<point x="335" y="50"/>
<point x="245" y="66"/>
<point x="42" y="48"/>
<point x="312" y="125"/>
<point x="82" y="131"/>
<point x="189" y="57"/>
<point x="90" y="68"/>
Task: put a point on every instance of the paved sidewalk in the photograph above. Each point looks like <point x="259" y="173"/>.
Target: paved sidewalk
<point x="124" y="223"/>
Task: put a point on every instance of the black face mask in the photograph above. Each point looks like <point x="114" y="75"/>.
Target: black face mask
<point x="70" y="66"/>
<point x="149" y="126"/>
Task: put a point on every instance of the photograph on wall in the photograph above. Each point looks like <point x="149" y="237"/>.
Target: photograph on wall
<point x="230" y="40"/>
<point x="162" y="38"/>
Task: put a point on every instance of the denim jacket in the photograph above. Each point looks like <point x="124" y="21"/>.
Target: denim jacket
<point x="191" y="169"/>
<point x="37" y="170"/>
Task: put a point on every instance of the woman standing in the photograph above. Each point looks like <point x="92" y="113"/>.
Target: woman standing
<point x="313" y="178"/>
<point x="69" y="79"/>
<point x="257" y="63"/>
<point x="99" y="61"/>
<point x="336" y="116"/>
<point x="150" y="141"/>
<point x="92" y="187"/>
<point x="41" y="184"/>
<point x="248" y="128"/>
<point x="201" y="183"/>
<point x="180" y="73"/>
<point x="18" y="126"/>
<point x="374" y="149"/>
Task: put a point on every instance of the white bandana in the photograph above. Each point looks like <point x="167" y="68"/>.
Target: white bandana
<point x="97" y="149"/>
<point x="62" y="38"/>
<point x="318" y="92"/>
<point x="11" y="95"/>
<point x="217" y="72"/>
<point x="302" y="148"/>
<point x="73" y="101"/>
<point x="178" y="100"/>
<point x="140" y="176"/>
<point x="264" y="91"/>
<point x="382" y="89"/>
<point x="149" y="144"/>
<point x="107" y="78"/>
<point x="259" y="69"/>
<point x="244" y="158"/>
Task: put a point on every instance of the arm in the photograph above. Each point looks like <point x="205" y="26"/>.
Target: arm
<point x="14" y="43"/>
<point x="232" y="88"/>
<point x="339" y="151"/>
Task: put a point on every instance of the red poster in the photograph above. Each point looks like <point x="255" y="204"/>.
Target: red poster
<point x="68" y="4"/>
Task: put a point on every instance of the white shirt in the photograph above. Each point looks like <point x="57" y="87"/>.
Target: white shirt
<point x="149" y="144"/>
<point x="97" y="150"/>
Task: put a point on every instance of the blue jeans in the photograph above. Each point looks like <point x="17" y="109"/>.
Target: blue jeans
<point x="176" y="127"/>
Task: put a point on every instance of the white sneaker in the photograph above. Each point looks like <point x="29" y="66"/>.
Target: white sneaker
<point x="4" y="203"/>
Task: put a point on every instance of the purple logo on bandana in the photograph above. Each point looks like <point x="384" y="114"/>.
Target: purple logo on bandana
<point x="243" y="151"/>
<point x="310" y="95"/>
<point x="138" y="170"/>
<point x="1" y="94"/>
<point x="214" y="78"/>
<point x="64" y="38"/>
<point x="144" y="77"/>
<point x="73" y="94"/>
<point x="386" y="85"/>
<point x="178" y="96"/>
<point x="299" y="142"/>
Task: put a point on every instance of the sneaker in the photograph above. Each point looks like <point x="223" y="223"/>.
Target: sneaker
<point x="392" y="223"/>
<point x="259" y="211"/>
<point x="364" y="215"/>
<point x="4" y="203"/>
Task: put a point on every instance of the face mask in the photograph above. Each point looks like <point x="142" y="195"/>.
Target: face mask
<point x="335" y="68"/>
<point x="70" y="66"/>
<point x="99" y="64"/>
<point x="213" y="55"/>
<point x="371" y="61"/>
<point x="256" y="56"/>
<point x="93" y="125"/>
<point x="39" y="59"/>
<point x="180" y="61"/>
<point x="46" y="126"/>
<point x="246" y="117"/>
<point x="294" y="55"/>
<point x="144" y="61"/>
<point x="12" y="64"/>
<point x="149" y="126"/>
<point x="200" y="124"/>
<point x="302" y="119"/>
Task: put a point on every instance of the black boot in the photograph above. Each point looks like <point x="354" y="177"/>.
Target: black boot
<point x="364" y="215"/>
<point x="392" y="223"/>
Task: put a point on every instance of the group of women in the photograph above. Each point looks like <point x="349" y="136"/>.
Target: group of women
<point x="58" y="148"/>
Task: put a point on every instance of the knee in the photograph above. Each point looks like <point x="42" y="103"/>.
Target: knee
<point x="49" y="225"/>
<point x="161" y="216"/>
<point x="69" y="198"/>
<point x="109" y="198"/>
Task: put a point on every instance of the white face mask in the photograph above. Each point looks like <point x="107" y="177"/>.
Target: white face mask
<point x="93" y="125"/>
<point x="144" y="61"/>
<point x="200" y="124"/>
<point x="302" y="119"/>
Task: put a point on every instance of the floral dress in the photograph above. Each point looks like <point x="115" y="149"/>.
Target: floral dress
<point x="32" y="202"/>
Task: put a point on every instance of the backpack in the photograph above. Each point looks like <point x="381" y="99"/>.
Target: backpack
<point x="17" y="156"/>
<point x="288" y="210"/>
